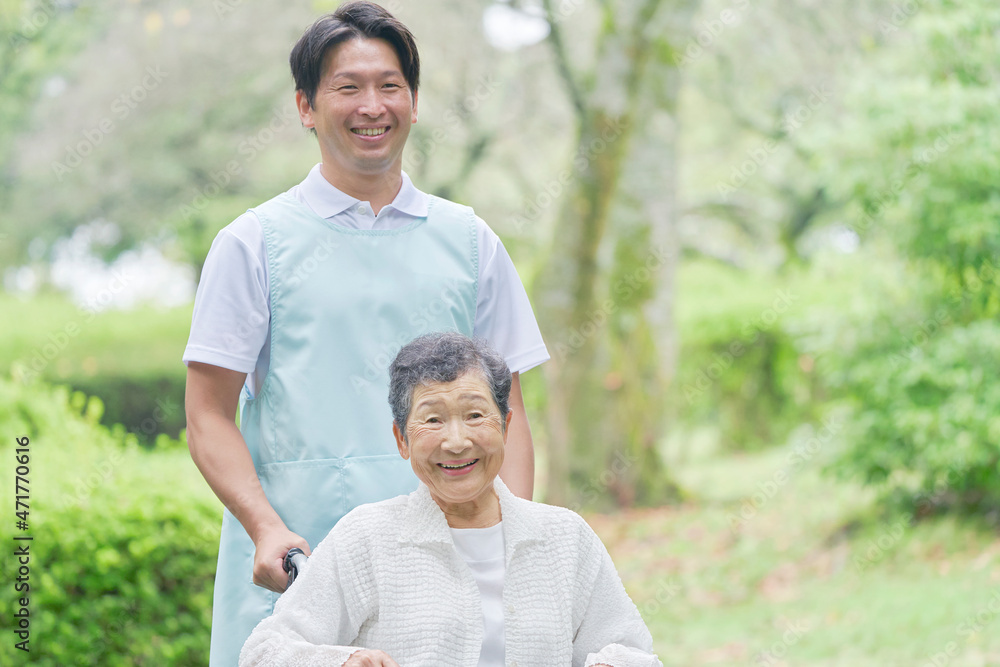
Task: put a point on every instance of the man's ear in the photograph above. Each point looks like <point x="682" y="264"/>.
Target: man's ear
<point x="413" y="116"/>
<point x="305" y="110"/>
<point x="401" y="444"/>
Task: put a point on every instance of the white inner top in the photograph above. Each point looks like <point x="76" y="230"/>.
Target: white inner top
<point x="483" y="551"/>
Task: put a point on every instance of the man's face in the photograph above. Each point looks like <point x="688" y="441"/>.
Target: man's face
<point x="362" y="110"/>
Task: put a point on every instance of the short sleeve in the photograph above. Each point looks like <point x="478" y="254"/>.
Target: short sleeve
<point x="503" y="315"/>
<point x="231" y="311"/>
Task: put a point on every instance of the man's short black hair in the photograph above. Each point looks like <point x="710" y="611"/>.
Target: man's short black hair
<point x="352" y="20"/>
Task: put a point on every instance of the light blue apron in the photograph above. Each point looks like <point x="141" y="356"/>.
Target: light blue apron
<point x="343" y="301"/>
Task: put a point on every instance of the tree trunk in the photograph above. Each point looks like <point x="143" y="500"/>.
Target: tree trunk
<point x="586" y="459"/>
<point x="565" y="290"/>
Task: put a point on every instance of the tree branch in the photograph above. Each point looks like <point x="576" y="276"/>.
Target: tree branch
<point x="691" y="248"/>
<point x="562" y="62"/>
<point x="776" y="133"/>
<point x="475" y="151"/>
<point x="640" y="45"/>
<point x="737" y="215"/>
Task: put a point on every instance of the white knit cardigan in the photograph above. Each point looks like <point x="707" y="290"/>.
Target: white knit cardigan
<point x="388" y="577"/>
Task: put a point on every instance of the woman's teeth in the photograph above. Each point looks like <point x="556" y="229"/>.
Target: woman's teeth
<point x="464" y="465"/>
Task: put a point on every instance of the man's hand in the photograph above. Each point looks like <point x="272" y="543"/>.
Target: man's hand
<point x="369" y="658"/>
<point x="270" y="548"/>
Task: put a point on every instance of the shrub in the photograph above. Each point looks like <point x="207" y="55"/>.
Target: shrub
<point x="145" y="405"/>
<point x="130" y="359"/>
<point x="125" y="540"/>
<point x="740" y="369"/>
<point x="926" y="425"/>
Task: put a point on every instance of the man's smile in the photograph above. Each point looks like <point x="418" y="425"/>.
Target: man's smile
<point x="370" y="131"/>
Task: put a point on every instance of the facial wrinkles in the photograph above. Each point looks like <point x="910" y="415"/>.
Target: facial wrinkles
<point x="420" y="428"/>
<point x="440" y="409"/>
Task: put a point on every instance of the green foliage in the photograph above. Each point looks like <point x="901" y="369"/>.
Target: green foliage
<point x="952" y="144"/>
<point x="920" y="363"/>
<point x="53" y="339"/>
<point x="35" y="38"/>
<point x="147" y="406"/>
<point x="741" y="373"/>
<point x="131" y="360"/>
<point x="927" y="408"/>
<point x="743" y="382"/>
<point x="124" y="544"/>
<point x="124" y="138"/>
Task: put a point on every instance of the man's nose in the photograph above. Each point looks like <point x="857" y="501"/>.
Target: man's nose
<point x="371" y="103"/>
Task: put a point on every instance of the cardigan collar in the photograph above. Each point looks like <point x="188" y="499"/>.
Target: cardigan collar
<point x="425" y="523"/>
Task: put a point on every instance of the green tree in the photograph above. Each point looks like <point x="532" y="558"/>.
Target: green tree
<point x="920" y="364"/>
<point x="36" y="39"/>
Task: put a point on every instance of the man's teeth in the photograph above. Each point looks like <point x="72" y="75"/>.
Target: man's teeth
<point x="464" y="465"/>
<point x="369" y="132"/>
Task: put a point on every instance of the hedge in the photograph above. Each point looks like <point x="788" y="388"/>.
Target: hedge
<point x="124" y="540"/>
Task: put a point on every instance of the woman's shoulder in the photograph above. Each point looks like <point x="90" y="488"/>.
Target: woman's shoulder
<point x="561" y="537"/>
<point x="364" y="522"/>
<point x="555" y="520"/>
<point x="375" y="513"/>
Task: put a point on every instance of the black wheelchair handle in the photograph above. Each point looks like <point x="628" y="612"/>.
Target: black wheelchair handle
<point x="293" y="562"/>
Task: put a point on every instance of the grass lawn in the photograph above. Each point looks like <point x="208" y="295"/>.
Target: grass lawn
<point x="58" y="341"/>
<point x="814" y="576"/>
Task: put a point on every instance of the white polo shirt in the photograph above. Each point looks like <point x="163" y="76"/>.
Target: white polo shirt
<point x="230" y="326"/>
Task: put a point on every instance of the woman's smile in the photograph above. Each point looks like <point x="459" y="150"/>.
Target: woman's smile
<point x="458" y="467"/>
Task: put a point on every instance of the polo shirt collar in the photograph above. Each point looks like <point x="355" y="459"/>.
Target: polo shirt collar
<point x="327" y="201"/>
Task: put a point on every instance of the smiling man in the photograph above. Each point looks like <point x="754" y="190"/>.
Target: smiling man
<point x="304" y="301"/>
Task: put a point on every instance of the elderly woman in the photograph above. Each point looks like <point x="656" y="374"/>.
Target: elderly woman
<point x="460" y="572"/>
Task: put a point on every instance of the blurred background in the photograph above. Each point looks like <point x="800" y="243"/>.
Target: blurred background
<point x="762" y="239"/>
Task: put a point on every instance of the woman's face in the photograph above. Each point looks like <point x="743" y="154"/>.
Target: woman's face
<point x="455" y="437"/>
